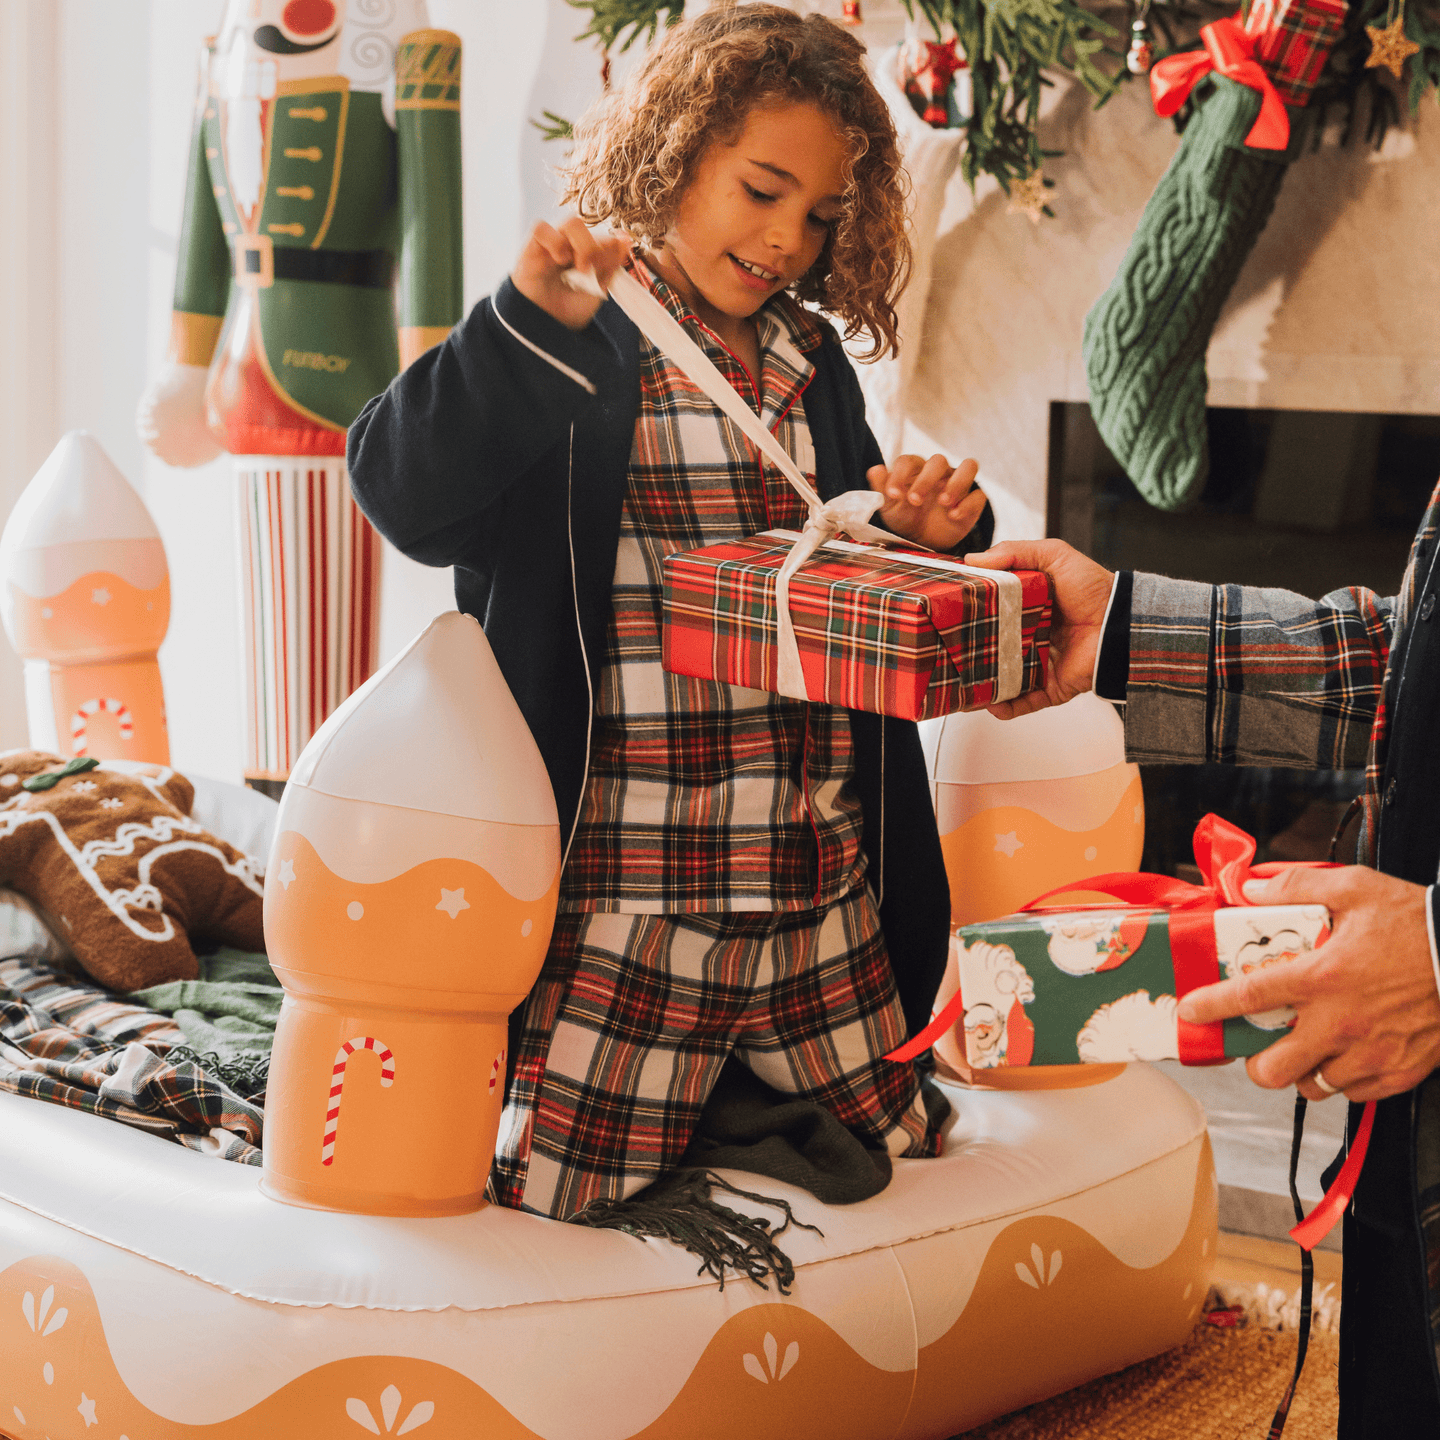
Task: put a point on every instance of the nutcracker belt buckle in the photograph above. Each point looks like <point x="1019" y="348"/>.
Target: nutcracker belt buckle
<point x="254" y="262"/>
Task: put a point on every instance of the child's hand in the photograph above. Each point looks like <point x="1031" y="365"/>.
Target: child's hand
<point x="549" y="253"/>
<point x="929" y="500"/>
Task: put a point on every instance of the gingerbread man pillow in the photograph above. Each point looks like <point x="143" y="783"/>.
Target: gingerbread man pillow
<point x="118" y="867"/>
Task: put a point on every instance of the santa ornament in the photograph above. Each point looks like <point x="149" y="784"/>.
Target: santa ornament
<point x="323" y="202"/>
<point x="85" y="597"/>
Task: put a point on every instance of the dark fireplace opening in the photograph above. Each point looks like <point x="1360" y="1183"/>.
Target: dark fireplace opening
<point x="1303" y="500"/>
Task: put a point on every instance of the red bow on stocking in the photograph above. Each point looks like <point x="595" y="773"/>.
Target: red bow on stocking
<point x="1229" y="51"/>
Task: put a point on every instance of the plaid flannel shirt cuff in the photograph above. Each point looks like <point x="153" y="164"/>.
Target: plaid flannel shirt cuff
<point x="1168" y="692"/>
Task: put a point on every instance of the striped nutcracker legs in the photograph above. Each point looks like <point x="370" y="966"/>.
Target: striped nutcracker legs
<point x="309" y="598"/>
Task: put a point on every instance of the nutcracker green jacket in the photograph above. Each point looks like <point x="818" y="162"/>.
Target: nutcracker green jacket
<point x="504" y="452"/>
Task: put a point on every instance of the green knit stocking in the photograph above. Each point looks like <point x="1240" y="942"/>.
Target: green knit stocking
<point x="1145" y="338"/>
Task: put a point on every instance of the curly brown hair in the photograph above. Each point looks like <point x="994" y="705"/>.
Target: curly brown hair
<point x="637" y="149"/>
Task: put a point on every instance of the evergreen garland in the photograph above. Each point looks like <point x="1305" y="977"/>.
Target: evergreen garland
<point x="610" y="20"/>
<point x="1354" y="95"/>
<point x="1010" y="44"/>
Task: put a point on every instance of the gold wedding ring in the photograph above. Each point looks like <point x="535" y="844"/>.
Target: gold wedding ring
<point x="1321" y="1083"/>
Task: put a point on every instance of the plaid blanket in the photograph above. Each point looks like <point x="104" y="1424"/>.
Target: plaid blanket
<point x="70" y="1042"/>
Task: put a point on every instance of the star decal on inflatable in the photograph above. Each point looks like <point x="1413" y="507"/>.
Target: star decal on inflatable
<point x="1390" y="46"/>
<point x="452" y="902"/>
<point x="286" y="877"/>
<point x="86" y="1407"/>
<point x="1008" y="844"/>
<point x="103" y="597"/>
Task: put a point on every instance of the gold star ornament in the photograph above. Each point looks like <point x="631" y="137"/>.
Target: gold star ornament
<point x="1028" y="196"/>
<point x="1390" y="46"/>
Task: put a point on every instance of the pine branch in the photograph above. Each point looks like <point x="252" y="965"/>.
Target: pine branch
<point x="553" y="126"/>
<point x="610" y="19"/>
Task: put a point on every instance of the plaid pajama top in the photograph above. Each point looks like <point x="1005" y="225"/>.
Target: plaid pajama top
<point x="704" y="797"/>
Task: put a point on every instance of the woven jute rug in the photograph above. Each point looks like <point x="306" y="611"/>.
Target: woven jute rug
<point x="1222" y="1384"/>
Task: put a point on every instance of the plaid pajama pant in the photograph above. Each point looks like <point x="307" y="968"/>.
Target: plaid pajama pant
<point x="634" y="1015"/>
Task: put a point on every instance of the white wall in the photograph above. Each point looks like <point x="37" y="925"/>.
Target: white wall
<point x="1334" y="310"/>
<point x="29" y="354"/>
<point x="97" y="165"/>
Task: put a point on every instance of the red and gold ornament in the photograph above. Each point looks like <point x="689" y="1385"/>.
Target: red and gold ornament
<point x="934" y="71"/>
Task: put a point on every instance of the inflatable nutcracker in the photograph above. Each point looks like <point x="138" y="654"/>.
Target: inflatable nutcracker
<point x="408" y="906"/>
<point x="323" y="198"/>
<point x="1025" y="805"/>
<point x="85" y="597"/>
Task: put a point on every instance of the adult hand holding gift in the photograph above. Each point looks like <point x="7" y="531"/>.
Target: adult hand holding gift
<point x="1368" y="1013"/>
<point x="1368" y="1003"/>
<point x="1266" y="677"/>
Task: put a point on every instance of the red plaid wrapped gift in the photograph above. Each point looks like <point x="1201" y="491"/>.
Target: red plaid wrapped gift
<point x="1294" y="41"/>
<point x="885" y="631"/>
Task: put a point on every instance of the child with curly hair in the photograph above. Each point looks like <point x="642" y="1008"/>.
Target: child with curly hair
<point x="744" y="874"/>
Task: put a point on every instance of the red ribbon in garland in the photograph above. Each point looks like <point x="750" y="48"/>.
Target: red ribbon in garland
<point x="1223" y="853"/>
<point x="1229" y="51"/>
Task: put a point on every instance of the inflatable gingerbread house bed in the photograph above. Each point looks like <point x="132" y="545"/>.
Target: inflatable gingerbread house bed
<point x="154" y="1291"/>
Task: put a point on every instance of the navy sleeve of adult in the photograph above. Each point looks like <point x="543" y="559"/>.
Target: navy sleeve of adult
<point x="1112" y="666"/>
<point x="465" y="422"/>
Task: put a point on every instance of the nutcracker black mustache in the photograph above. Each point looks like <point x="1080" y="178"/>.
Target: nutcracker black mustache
<point x="268" y="37"/>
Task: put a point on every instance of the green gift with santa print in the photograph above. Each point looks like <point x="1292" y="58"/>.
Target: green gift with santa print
<point x="1101" y="985"/>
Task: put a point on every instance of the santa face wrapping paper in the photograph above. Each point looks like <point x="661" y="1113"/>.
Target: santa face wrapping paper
<point x="1094" y="986"/>
<point x="880" y="631"/>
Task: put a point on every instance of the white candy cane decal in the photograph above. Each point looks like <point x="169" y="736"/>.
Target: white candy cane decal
<point x="496" y="1071"/>
<point x="81" y="718"/>
<point x="342" y="1057"/>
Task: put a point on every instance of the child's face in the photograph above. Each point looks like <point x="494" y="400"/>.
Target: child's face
<point x="766" y="202"/>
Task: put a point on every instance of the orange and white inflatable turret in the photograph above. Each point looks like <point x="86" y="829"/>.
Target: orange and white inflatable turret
<point x="409" y="899"/>
<point x="85" y="597"/>
<point x="1025" y="805"/>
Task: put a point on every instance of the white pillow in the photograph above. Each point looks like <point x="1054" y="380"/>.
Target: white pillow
<point x="236" y="813"/>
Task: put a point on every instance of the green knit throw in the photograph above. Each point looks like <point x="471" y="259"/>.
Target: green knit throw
<point x="1146" y="337"/>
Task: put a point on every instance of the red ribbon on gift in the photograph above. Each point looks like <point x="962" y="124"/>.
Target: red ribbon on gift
<point x="1223" y="853"/>
<point x="1229" y="51"/>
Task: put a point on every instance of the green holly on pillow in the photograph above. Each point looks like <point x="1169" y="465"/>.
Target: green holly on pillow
<point x="119" y="869"/>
